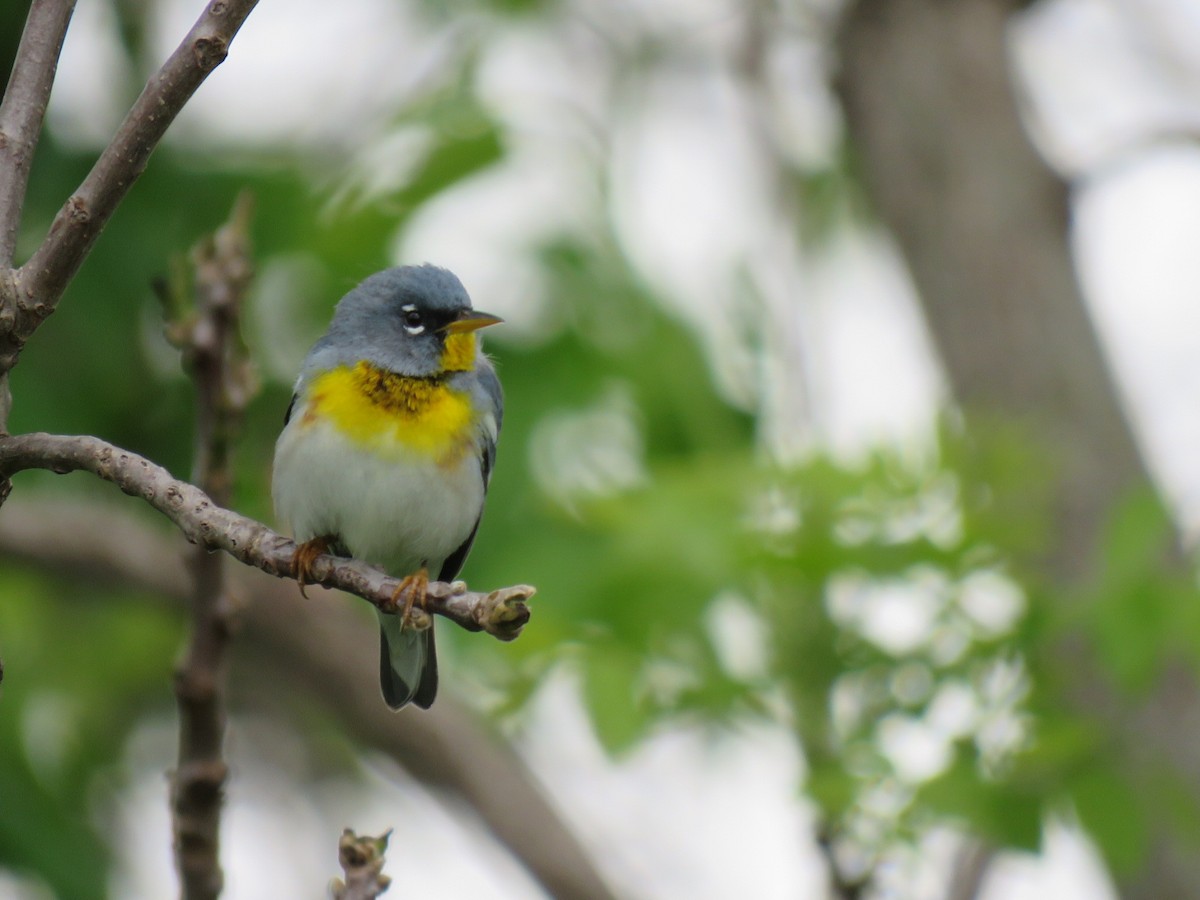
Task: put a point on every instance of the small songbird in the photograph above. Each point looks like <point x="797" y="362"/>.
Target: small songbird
<point x="388" y="446"/>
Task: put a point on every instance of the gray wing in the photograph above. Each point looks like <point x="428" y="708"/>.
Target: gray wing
<point x="491" y="398"/>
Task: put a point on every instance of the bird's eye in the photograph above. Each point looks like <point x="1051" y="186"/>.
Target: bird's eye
<point x="412" y="320"/>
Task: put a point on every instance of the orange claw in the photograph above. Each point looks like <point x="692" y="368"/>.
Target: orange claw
<point x="413" y="589"/>
<point x="306" y="554"/>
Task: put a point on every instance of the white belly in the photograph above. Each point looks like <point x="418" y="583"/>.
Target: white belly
<point x="396" y="513"/>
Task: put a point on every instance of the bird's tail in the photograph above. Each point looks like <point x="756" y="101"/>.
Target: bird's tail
<point x="407" y="663"/>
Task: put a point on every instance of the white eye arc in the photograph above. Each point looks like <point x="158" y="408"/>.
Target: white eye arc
<point x="412" y="319"/>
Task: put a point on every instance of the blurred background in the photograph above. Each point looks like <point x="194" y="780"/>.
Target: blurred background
<point x="852" y="375"/>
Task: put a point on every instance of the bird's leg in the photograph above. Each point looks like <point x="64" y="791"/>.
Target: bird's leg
<point x="413" y="589"/>
<point x="306" y="554"/>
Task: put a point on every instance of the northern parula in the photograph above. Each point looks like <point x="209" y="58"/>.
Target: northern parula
<point x="388" y="446"/>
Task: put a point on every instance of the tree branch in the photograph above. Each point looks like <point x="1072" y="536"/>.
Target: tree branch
<point x="501" y="613"/>
<point x="970" y="869"/>
<point x="318" y="649"/>
<point x="206" y="329"/>
<point x="842" y="886"/>
<point x="24" y="107"/>
<point x="21" y="113"/>
<point x="40" y="283"/>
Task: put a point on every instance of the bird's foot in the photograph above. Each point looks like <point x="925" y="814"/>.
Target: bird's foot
<point x="413" y="589"/>
<point x="306" y="554"/>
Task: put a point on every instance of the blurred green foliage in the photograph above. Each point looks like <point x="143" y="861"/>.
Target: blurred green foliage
<point x="82" y="667"/>
<point x="636" y="573"/>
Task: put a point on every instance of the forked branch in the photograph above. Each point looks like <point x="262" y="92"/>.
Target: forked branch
<point x="39" y="284"/>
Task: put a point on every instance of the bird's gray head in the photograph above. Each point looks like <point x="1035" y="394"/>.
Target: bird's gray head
<point x="412" y="320"/>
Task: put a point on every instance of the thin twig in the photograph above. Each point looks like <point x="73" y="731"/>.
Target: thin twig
<point x="215" y="357"/>
<point x="24" y="107"/>
<point x="502" y="613"/>
<point x="970" y="868"/>
<point x="361" y="858"/>
<point x="41" y="281"/>
<point x="842" y="886"/>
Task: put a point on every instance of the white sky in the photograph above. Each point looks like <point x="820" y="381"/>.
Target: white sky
<point x="692" y="206"/>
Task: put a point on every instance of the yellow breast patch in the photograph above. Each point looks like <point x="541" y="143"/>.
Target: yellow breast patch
<point x="393" y="414"/>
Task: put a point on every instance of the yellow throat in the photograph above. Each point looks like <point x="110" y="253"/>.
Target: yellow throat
<point x="397" y="414"/>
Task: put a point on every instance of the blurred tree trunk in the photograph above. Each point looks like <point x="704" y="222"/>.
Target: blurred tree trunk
<point x="982" y="222"/>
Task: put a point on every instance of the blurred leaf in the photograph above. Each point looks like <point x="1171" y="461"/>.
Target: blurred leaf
<point x="1139" y="538"/>
<point x="1168" y="801"/>
<point x="832" y="788"/>
<point x="1002" y="812"/>
<point x="1062" y="744"/>
<point x="40" y="834"/>
<point x="1112" y="813"/>
<point x="611" y="689"/>
<point x="80" y="670"/>
<point x="1142" y="605"/>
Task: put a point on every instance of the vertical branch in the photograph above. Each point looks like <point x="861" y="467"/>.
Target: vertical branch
<point x="970" y="869"/>
<point x="842" y="886"/>
<point x="217" y="362"/>
<point x="21" y="113"/>
<point x="24" y="107"/>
